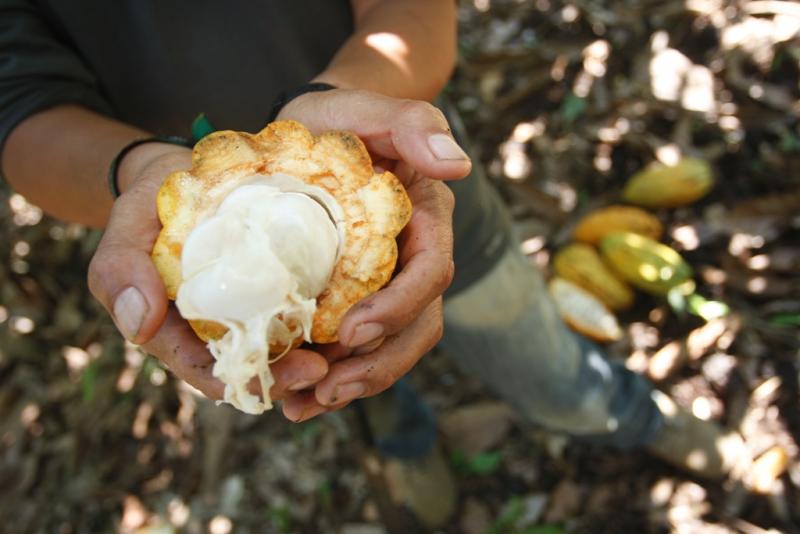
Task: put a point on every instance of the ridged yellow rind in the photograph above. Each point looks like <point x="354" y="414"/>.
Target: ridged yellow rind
<point x="376" y="208"/>
<point x="582" y="265"/>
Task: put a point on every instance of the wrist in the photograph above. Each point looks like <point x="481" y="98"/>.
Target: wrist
<point x="287" y="97"/>
<point x="142" y="159"/>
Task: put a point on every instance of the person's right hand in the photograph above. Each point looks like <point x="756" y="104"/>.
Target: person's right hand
<point x="124" y="279"/>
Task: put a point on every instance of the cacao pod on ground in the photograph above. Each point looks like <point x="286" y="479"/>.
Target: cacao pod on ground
<point x="596" y="225"/>
<point x="662" y="186"/>
<point x="582" y="265"/>
<point x="584" y="312"/>
<point x="649" y="265"/>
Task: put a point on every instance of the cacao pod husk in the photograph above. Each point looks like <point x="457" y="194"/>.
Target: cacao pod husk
<point x="662" y="186"/>
<point x="583" y="312"/>
<point x="582" y="265"/>
<point x="648" y="265"/>
<point x="596" y="225"/>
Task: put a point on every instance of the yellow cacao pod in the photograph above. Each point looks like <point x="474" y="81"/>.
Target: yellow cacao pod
<point x="651" y="266"/>
<point x="598" y="224"/>
<point x="584" y="312"/>
<point x="582" y="265"/>
<point x="661" y="186"/>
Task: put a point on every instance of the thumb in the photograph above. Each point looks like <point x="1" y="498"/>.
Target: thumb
<point x="410" y="130"/>
<point x="121" y="274"/>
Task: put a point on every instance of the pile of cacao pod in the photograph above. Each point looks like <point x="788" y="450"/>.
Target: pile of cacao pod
<point x="617" y="250"/>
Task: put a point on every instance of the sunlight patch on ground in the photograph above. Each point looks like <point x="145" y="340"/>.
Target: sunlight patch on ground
<point x="686" y="236"/>
<point x="25" y="213"/>
<point x="482" y="5"/>
<point x="220" y="525"/>
<point x="22" y="325"/>
<point x="178" y="512"/>
<point x="134" y="514"/>
<point x="741" y="242"/>
<point x="133" y="363"/>
<point x="674" y="78"/>
<point x="701" y="408"/>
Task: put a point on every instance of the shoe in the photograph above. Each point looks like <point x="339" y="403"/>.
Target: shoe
<point x="424" y="486"/>
<point x="416" y="472"/>
<point x="702" y="448"/>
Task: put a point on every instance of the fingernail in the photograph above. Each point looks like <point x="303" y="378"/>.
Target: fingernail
<point x="130" y="309"/>
<point x="348" y="392"/>
<point x="444" y="147"/>
<point x="293" y="411"/>
<point x="308" y="413"/>
<point x="369" y="347"/>
<point x="366" y="333"/>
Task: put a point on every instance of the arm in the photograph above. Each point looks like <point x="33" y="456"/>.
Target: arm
<point x="54" y="149"/>
<point x="65" y="173"/>
<point x="404" y="49"/>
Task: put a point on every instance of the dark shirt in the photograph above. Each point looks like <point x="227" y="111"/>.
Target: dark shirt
<point x="156" y="64"/>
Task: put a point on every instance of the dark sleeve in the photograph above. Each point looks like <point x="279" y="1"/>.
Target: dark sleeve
<point x="37" y="70"/>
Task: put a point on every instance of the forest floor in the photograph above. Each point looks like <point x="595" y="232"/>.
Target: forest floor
<point x="564" y="102"/>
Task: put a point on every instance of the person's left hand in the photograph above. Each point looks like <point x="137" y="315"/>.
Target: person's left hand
<point x="382" y="337"/>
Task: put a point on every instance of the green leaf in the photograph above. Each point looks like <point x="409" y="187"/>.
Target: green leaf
<point x="89" y="382"/>
<point x="789" y="142"/>
<point x="677" y="301"/>
<point x="484" y="463"/>
<point x="325" y="491"/>
<point x="707" y="309"/>
<point x="785" y="319"/>
<point x="572" y="107"/>
<point x="512" y="511"/>
<point x="201" y="127"/>
<point x="306" y="432"/>
<point x="281" y="518"/>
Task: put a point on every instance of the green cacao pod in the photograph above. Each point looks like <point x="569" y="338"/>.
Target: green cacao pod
<point x="651" y="266"/>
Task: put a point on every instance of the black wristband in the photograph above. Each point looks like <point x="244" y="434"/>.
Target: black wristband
<point x="113" y="169"/>
<point x="287" y="96"/>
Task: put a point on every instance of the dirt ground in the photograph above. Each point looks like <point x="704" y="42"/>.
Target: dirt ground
<point x="564" y="101"/>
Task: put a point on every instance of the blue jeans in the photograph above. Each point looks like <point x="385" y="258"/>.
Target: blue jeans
<point x="502" y="326"/>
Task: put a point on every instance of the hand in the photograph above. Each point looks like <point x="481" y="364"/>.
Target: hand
<point x="384" y="336"/>
<point x="123" y="278"/>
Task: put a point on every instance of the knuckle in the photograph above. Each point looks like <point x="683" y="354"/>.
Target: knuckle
<point x="450" y="273"/>
<point x="91" y="277"/>
<point x="444" y="275"/>
<point x="100" y="269"/>
<point x="442" y="198"/>
<point x="418" y="111"/>
<point x="383" y="381"/>
<point x="438" y="330"/>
